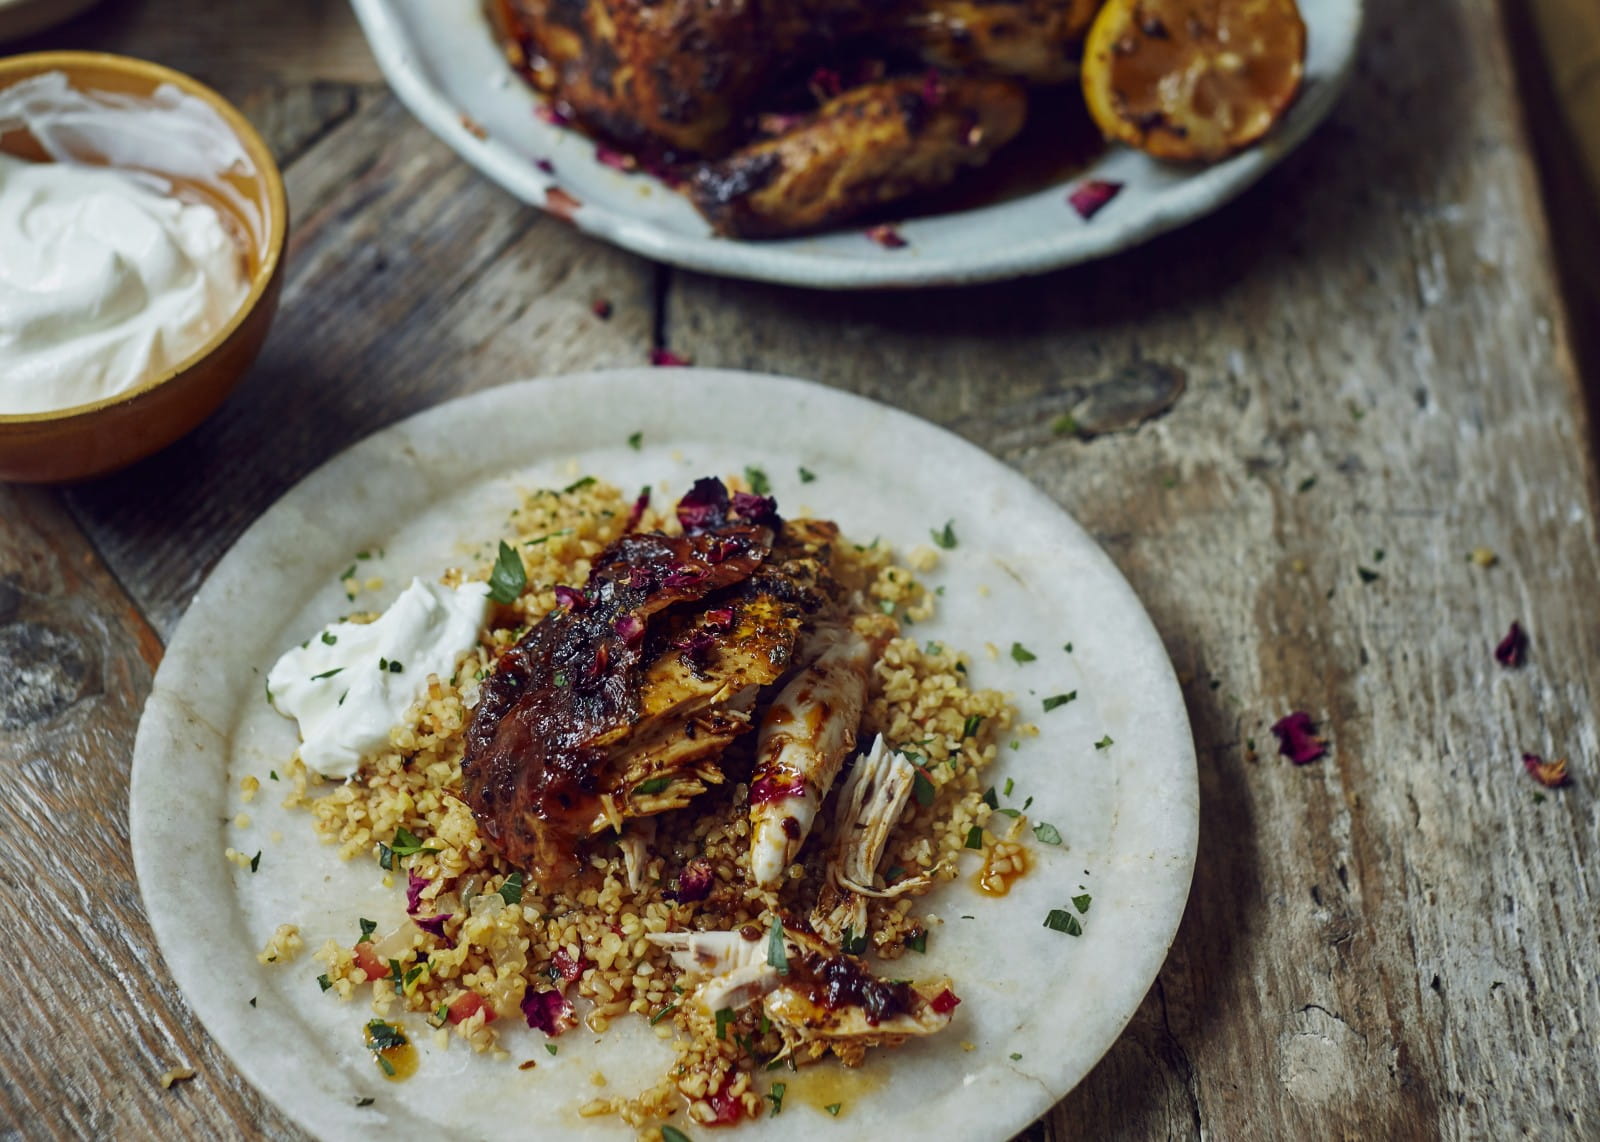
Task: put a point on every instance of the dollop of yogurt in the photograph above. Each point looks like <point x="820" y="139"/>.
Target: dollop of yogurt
<point x="106" y="281"/>
<point x="351" y="684"/>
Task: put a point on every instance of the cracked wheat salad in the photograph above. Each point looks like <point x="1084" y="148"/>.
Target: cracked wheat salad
<point x="682" y="766"/>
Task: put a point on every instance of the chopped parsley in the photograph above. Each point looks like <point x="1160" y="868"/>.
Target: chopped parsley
<point x="324" y="982"/>
<point x="252" y="1001"/>
<point x="1104" y="743"/>
<point x="759" y="484"/>
<point x="552" y="1048"/>
<point x="806" y="475"/>
<point x="395" y="667"/>
<point x="663" y="1013"/>
<point x="1367" y="574"/>
<point x="508" y="577"/>
<point x="385" y="857"/>
<point x="969" y="728"/>
<point x="851" y="944"/>
<point x="919" y="941"/>
<point x="367" y="928"/>
<point x="833" y="1108"/>
<point x="1060" y="920"/>
<point x="990" y="799"/>
<point x="383" y="1036"/>
<point x="1308" y="483"/>
<point x="776" y="1095"/>
<point x="1016" y="1056"/>
<point x="636" y="440"/>
<point x="1081" y="903"/>
<point x="272" y="773"/>
<point x="561" y="678"/>
<point x="1067" y="648"/>
<point x="329" y="638"/>
<point x="1021" y="654"/>
<point x="365" y="1101"/>
<point x="394" y="974"/>
<point x="893" y="873"/>
<point x="349" y="572"/>
<point x="578" y="485"/>
<point x="654" y="785"/>
<point x="1010" y="785"/>
<point x="412" y="975"/>
<point x="945" y="537"/>
<point x="326" y="674"/>
<point x="1055" y="700"/>
<point x="406" y="843"/>
<point x="777" y="954"/>
<point x="922" y="789"/>
<point x="975" y="838"/>
<point x="511" y="890"/>
<point x="1012" y="813"/>
<point x="724" y="1017"/>
<point x="546" y="538"/>
<point x="255" y="862"/>
<point x="673" y="1134"/>
<point x="1047" y="833"/>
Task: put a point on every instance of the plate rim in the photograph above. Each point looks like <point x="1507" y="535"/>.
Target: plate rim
<point x="1180" y="832"/>
<point x="1187" y="201"/>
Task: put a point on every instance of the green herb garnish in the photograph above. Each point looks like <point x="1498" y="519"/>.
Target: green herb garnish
<point x="1104" y="743"/>
<point x="383" y="1036"/>
<point x="724" y="1017"/>
<point x="511" y="890"/>
<point x="919" y="942"/>
<point x="833" y="1108"/>
<point x="922" y="789"/>
<point x="509" y="577"/>
<point x="654" y="785"/>
<point x="975" y="838"/>
<point x="578" y="485"/>
<point x="407" y="844"/>
<point x="673" y="1134"/>
<point x="329" y="638"/>
<point x="1021" y="654"/>
<point x="326" y="674"/>
<point x="1060" y="920"/>
<point x="1047" y="833"/>
<point x="255" y="862"/>
<point x="367" y="928"/>
<point x="1367" y="574"/>
<point x="663" y="1013"/>
<point x="759" y="484"/>
<point x="777" y="954"/>
<point x="552" y="1048"/>
<point x="1307" y="484"/>
<point x="945" y="537"/>
<point x="636" y="440"/>
<point x="969" y="728"/>
<point x="1064" y="425"/>
<point x="990" y="799"/>
<point x="852" y="944"/>
<point x="806" y="475"/>
<point x="324" y="982"/>
<point x="776" y="1095"/>
<point x="1081" y="903"/>
<point x="365" y="1101"/>
<point x="1055" y="700"/>
<point x="385" y="857"/>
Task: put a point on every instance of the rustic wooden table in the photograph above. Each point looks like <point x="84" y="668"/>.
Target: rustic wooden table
<point x="1400" y="940"/>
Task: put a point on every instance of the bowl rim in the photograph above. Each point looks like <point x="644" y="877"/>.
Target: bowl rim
<point x="18" y="67"/>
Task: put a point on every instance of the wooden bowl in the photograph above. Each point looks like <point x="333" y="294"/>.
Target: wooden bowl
<point x="91" y="439"/>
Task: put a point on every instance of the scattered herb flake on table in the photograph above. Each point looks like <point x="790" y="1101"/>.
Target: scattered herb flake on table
<point x="1021" y="654"/>
<point x="1060" y="920"/>
<point x="806" y="475"/>
<point x="1307" y="484"/>
<point x="1105" y="742"/>
<point x="636" y="440"/>
<point x="1367" y="574"/>
<point x="1081" y="903"/>
<point x="945" y="537"/>
<point x="759" y="484"/>
<point x="1056" y="700"/>
<point x="1047" y="833"/>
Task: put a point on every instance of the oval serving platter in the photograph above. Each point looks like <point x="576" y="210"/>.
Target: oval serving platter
<point x="441" y="59"/>
<point x="1040" y="1007"/>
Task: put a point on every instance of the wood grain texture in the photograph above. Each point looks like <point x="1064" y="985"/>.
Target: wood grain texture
<point x="1400" y="940"/>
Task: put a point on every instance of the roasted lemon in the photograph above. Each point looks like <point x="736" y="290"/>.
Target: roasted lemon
<point x="1192" y="80"/>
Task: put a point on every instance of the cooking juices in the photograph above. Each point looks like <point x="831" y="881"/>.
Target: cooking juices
<point x="114" y="266"/>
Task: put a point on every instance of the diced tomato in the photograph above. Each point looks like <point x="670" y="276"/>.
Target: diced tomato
<point x="565" y="966"/>
<point x="367" y="960"/>
<point x="466" y="1005"/>
<point x="727" y="1109"/>
<point x="945" y="1002"/>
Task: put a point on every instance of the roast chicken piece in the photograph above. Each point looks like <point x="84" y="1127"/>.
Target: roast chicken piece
<point x="870" y="146"/>
<point x="1033" y="40"/>
<point x="619" y="703"/>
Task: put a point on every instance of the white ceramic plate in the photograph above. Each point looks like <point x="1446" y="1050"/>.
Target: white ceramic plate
<point x="443" y="62"/>
<point x="429" y="492"/>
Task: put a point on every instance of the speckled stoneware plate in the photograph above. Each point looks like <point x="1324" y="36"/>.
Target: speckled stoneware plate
<point x="442" y="60"/>
<point x="1040" y="1007"/>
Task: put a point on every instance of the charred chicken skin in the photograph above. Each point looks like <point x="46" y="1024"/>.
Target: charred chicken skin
<point x="677" y="81"/>
<point x="620" y="703"/>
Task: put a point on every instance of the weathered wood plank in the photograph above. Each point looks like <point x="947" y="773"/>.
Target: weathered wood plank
<point x="1372" y="948"/>
<point x="410" y="280"/>
<point x="94" y="1019"/>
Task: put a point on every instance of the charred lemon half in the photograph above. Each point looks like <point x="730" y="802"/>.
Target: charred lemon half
<point x="1192" y="80"/>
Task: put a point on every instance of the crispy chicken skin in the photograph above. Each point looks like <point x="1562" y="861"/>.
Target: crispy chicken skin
<point x="868" y="147"/>
<point x="1034" y="40"/>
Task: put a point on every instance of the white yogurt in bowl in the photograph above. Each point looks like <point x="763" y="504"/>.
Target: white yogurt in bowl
<point x="106" y="281"/>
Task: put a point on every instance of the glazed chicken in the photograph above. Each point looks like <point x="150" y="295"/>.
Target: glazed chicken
<point x="620" y="703"/>
<point x="903" y="95"/>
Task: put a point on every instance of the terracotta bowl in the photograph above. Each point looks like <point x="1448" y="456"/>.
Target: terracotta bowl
<point x="91" y="439"/>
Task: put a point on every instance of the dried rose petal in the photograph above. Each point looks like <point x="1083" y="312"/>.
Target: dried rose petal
<point x="555" y="114"/>
<point x="548" y="1011"/>
<point x="1512" y="650"/>
<point x="945" y="1002"/>
<point x="681" y="577"/>
<point x="887" y="236"/>
<point x="695" y="646"/>
<point x="932" y="88"/>
<point x="432" y="924"/>
<point x="666" y="357"/>
<point x="414" y="886"/>
<point x="629" y="628"/>
<point x="1551" y="774"/>
<point x="615" y="159"/>
<point x="825" y="83"/>
<point x="1087" y="198"/>
<point x="720" y="619"/>
<point x="564" y="966"/>
<point x="704" y="506"/>
<point x="695" y="881"/>
<point x="756" y="509"/>
<point x="1297" y="740"/>
<point x="766" y="790"/>
<point x="545" y="165"/>
<point x="771" y="123"/>
<point x="571" y="598"/>
<point x="637" y="512"/>
<point x="601" y="308"/>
